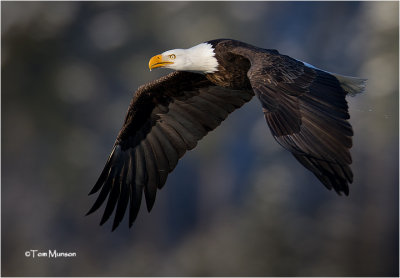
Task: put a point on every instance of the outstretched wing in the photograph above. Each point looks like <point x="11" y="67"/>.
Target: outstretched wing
<point x="307" y="113"/>
<point x="165" y="119"/>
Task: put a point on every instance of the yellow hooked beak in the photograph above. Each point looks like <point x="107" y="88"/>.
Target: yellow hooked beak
<point x="157" y="61"/>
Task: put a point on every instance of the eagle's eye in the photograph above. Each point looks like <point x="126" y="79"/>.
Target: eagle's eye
<point x="172" y="56"/>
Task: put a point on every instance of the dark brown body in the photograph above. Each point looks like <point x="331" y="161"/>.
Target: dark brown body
<point x="232" y="70"/>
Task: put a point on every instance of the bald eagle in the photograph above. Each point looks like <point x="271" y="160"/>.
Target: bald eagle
<point x="305" y="109"/>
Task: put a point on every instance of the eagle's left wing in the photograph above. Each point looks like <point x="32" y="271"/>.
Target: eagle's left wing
<point x="307" y="113"/>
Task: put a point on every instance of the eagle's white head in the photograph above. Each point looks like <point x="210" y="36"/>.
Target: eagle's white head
<point x="199" y="58"/>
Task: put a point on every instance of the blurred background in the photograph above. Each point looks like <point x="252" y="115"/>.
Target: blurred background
<point x="238" y="204"/>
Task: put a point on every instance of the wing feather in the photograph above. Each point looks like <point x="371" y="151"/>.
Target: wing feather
<point x="207" y="121"/>
<point x="219" y="112"/>
<point x="150" y="189"/>
<point x="160" y="159"/>
<point x="174" y="137"/>
<point x="123" y="199"/>
<point x="187" y="120"/>
<point x="219" y="102"/>
<point x="188" y="137"/>
<point x="170" y="152"/>
<point x="112" y="199"/>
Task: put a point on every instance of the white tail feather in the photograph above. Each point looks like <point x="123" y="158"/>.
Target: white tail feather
<point x="352" y="85"/>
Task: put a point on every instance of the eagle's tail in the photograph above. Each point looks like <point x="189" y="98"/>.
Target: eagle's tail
<point x="352" y="85"/>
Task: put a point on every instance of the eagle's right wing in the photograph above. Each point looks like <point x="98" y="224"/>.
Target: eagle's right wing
<point x="165" y="119"/>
